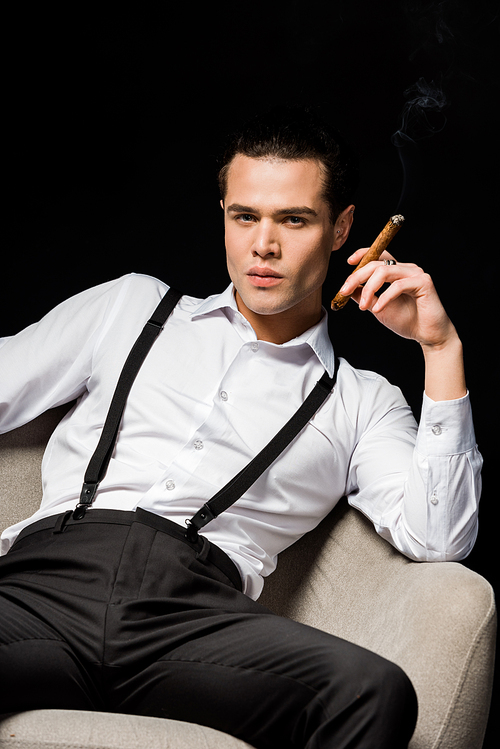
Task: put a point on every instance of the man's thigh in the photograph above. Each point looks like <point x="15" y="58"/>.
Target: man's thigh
<point x="38" y="669"/>
<point x="274" y="682"/>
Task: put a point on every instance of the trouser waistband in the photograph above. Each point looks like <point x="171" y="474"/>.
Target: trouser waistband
<point x="202" y="546"/>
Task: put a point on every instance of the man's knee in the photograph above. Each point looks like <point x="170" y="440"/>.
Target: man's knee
<point x="390" y="702"/>
<point x="392" y="687"/>
<point x="366" y="701"/>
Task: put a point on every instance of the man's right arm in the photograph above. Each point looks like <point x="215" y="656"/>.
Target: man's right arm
<point x="49" y="362"/>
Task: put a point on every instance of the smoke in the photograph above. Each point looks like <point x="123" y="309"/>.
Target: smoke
<point x="423" y="114"/>
<point x="422" y="117"/>
<point x="438" y="37"/>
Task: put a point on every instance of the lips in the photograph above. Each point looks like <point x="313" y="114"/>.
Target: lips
<point x="264" y="277"/>
<point x="264" y="272"/>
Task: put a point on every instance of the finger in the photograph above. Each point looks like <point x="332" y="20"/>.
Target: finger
<point x="381" y="275"/>
<point x="393" y="275"/>
<point x="417" y="284"/>
<point x="361" y="276"/>
<point x="357" y="256"/>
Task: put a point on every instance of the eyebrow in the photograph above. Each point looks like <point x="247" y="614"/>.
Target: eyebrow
<point x="301" y="210"/>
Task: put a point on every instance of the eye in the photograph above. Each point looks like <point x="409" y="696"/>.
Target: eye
<point x="295" y="221"/>
<point x="245" y="218"/>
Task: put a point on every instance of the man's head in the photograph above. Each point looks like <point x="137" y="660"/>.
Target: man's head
<point x="285" y="193"/>
<point x="295" y="134"/>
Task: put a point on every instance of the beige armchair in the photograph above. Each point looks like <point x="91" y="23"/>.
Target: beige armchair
<point x="437" y="621"/>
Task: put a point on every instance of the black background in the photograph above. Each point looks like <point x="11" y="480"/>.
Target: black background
<point x="113" y="119"/>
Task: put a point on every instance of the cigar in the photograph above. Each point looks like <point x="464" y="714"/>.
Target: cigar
<point x="388" y="232"/>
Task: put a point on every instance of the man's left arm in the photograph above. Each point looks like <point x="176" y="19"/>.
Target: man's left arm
<point x="438" y="515"/>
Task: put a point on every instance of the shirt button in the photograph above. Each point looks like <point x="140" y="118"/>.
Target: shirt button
<point x="255" y="346"/>
<point x="224" y="396"/>
<point x="436" y="429"/>
<point x="434" y="500"/>
<point x="198" y="445"/>
<point x="170" y="485"/>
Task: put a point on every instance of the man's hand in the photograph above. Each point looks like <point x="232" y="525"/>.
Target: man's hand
<point x="411" y="307"/>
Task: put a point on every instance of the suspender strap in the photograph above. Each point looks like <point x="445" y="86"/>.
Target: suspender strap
<point x="99" y="461"/>
<point x="234" y="489"/>
<point x="238" y="485"/>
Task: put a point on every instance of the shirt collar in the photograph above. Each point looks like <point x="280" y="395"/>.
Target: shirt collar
<point x="316" y="337"/>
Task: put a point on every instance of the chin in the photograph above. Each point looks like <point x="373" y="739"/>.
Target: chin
<point x="264" y="301"/>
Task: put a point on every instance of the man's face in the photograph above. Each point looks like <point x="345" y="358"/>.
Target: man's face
<point x="278" y="242"/>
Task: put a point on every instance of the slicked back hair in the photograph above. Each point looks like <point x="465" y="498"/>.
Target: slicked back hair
<point x="295" y="134"/>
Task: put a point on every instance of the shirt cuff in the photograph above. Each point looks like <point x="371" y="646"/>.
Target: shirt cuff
<point x="446" y="427"/>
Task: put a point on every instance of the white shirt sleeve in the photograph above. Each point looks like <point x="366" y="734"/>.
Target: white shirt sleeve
<point x="422" y="498"/>
<point x="447" y="456"/>
<point x="49" y="362"/>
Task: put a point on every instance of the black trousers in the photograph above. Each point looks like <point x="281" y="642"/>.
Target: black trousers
<point x="118" y="612"/>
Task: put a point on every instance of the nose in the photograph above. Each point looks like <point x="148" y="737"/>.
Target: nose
<point x="266" y="240"/>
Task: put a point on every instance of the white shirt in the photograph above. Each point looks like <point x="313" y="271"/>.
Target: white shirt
<point x="208" y="397"/>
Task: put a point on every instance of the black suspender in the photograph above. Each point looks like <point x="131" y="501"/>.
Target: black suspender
<point x="237" y="486"/>
<point x="98" y="465"/>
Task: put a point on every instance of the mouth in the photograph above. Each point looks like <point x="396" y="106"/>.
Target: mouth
<point x="264" y="277"/>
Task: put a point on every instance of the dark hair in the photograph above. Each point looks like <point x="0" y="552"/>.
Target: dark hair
<point x="295" y="134"/>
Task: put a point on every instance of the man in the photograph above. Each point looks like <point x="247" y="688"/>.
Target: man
<point x="118" y="607"/>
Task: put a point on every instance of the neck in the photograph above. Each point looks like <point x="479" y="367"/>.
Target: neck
<point x="282" y="326"/>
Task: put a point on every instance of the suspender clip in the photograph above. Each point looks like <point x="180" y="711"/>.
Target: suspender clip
<point x="202" y="517"/>
<point x="86" y="498"/>
<point x="79" y="512"/>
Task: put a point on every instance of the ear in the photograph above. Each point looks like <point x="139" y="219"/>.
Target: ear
<point x="342" y="227"/>
<point x="222" y="204"/>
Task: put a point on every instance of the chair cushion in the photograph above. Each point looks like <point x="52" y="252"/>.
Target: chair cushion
<point x="73" y="729"/>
